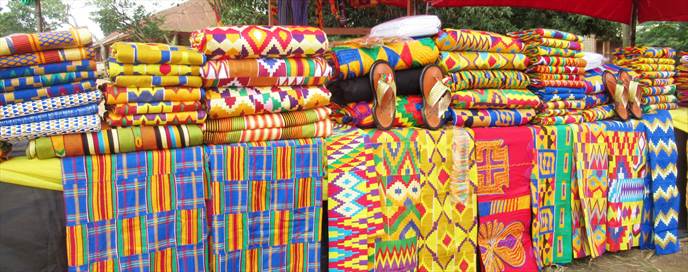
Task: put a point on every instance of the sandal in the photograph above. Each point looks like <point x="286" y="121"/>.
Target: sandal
<point x="436" y="96"/>
<point x="616" y="89"/>
<point x="384" y="94"/>
<point x="633" y="96"/>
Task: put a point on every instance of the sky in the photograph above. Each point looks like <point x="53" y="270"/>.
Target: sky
<point x="80" y="12"/>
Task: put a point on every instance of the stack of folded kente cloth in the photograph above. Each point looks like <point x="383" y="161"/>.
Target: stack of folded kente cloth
<point x="557" y="71"/>
<point x="655" y="68"/>
<point x="153" y="85"/>
<point x="488" y="83"/>
<point x="47" y="85"/>
<point x="264" y="83"/>
<point x="682" y="80"/>
<point x="597" y="95"/>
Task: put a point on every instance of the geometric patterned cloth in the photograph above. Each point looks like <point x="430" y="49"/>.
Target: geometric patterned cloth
<point x="458" y="61"/>
<point x="265" y="205"/>
<point x="46" y="57"/>
<point x="50" y="104"/>
<point x="266" y="72"/>
<point x="542" y="194"/>
<point x="25" y="43"/>
<point x="140" y="211"/>
<point x="491" y="118"/>
<point x="28" y="131"/>
<point x="42" y="69"/>
<point x="26" y="95"/>
<point x="37" y="81"/>
<point x="562" y="195"/>
<point x="237" y="101"/>
<point x="154" y="53"/>
<point x="473" y="40"/>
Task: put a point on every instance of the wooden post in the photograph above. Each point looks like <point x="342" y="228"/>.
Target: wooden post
<point x="39" y="16"/>
<point x="270" y="7"/>
<point x="634" y="22"/>
<point x="410" y="8"/>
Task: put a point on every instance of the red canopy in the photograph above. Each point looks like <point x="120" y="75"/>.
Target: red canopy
<point x="613" y="10"/>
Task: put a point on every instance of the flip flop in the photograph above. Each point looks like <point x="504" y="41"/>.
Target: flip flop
<point x="616" y="89"/>
<point x="384" y="94"/>
<point x="632" y="94"/>
<point x="436" y="96"/>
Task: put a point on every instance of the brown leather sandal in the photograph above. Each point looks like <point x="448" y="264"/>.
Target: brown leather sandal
<point x="384" y="94"/>
<point x="436" y="96"/>
<point x="616" y="89"/>
<point x="632" y="95"/>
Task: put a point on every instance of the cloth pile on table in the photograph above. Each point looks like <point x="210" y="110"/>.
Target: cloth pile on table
<point x="153" y="85"/>
<point x="682" y="80"/>
<point x="557" y="72"/>
<point x="488" y="83"/>
<point x="264" y="83"/>
<point x="655" y="68"/>
<point x="599" y="107"/>
<point x="47" y="85"/>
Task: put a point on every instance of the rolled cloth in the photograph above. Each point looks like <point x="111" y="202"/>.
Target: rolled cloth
<point x="360" y="114"/>
<point x="115" y="140"/>
<point x="52" y="115"/>
<point x="46" y="57"/>
<point x="155" y="119"/>
<point x="155" y="107"/>
<point x="659" y="90"/>
<point x="268" y="120"/>
<point x="50" y="104"/>
<point x="647" y="52"/>
<point x="233" y="101"/>
<point x="559" y="61"/>
<point x="158" y="81"/>
<point x="154" y="53"/>
<point x="121" y="95"/>
<point x="491" y="118"/>
<point x="38" y="81"/>
<point x="568" y="70"/>
<point x="120" y="69"/>
<point x="657" y="74"/>
<point x="77" y="124"/>
<point x="318" y="129"/>
<point x="488" y="79"/>
<point x="359" y="89"/>
<point x="559" y="120"/>
<point x="254" y="41"/>
<point x="473" y="40"/>
<point x="538" y="33"/>
<point x="52" y="68"/>
<point x="47" y="92"/>
<point x="263" y="72"/>
<point x="26" y="43"/>
<point x="495" y="99"/>
<point x="457" y="61"/>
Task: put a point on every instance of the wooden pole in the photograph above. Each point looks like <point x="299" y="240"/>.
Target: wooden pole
<point x="39" y="16"/>
<point x="410" y="8"/>
<point x="634" y="22"/>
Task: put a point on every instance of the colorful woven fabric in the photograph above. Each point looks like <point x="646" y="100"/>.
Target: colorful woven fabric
<point x="26" y="43"/>
<point x="662" y="106"/>
<point x="648" y="52"/>
<point x="155" y="107"/>
<point x="50" y="104"/>
<point x="89" y="109"/>
<point x="53" y="68"/>
<point x="360" y="114"/>
<point x="46" y="57"/>
<point x="473" y="40"/>
<point x="659" y="99"/>
<point x="488" y="79"/>
<point x="119" y="69"/>
<point x="495" y="99"/>
<point x="561" y="96"/>
<point x="556" y="52"/>
<point x="155" y="119"/>
<point x="47" y="92"/>
<point x="265" y="205"/>
<point x="158" y="81"/>
<point x="319" y="129"/>
<point x="140" y="211"/>
<point x="653" y="67"/>
<point x="253" y="41"/>
<point x="559" y="90"/>
<point x="355" y="61"/>
<point x="599" y="113"/>
<point x="593" y="82"/>
<point x="38" y="81"/>
<point x="559" y="61"/>
<point x="542" y="189"/>
<point x="557" y="83"/>
<point x="491" y="118"/>
<point x="457" y="61"/>
<point x="154" y="53"/>
<point x="122" y="95"/>
<point x="562" y="195"/>
<point x="266" y="72"/>
<point x="657" y="74"/>
<point x="269" y="120"/>
<point x="115" y="140"/>
<point x="73" y="124"/>
<point x="657" y="82"/>
<point x="233" y="101"/>
<point x="559" y="43"/>
<point x="559" y="120"/>
<point x="567" y="70"/>
<point x="504" y="167"/>
<point x="567" y="77"/>
<point x="589" y="102"/>
<point x="550" y="33"/>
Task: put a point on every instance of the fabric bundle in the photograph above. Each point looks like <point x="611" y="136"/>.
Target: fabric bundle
<point x="557" y="71"/>
<point x="264" y="83"/>
<point x="47" y="85"/>
<point x="682" y="80"/>
<point x="154" y="85"/>
<point x="655" y="69"/>
<point x="487" y="78"/>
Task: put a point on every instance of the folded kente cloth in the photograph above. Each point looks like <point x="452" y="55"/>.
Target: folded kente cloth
<point x="654" y="67"/>
<point x="268" y="120"/>
<point x="546" y="97"/>
<point x="154" y="53"/>
<point x="598" y="113"/>
<point x="236" y="101"/>
<point x="558" y="112"/>
<point x="26" y="43"/>
<point x="593" y="82"/>
<point x="158" y="81"/>
<point x="491" y="118"/>
<point x="657" y="82"/>
<point x="254" y="41"/>
<point x="52" y="115"/>
<point x="38" y="81"/>
<point x="355" y="60"/>
<point x="544" y="76"/>
<point x="495" y="99"/>
<point x="569" y="70"/>
<point x="589" y="102"/>
<point x="266" y="72"/>
<point x="115" y="140"/>
<point x="558" y="61"/>
<point x="155" y="107"/>
<point x="457" y="61"/>
<point x="559" y="43"/>
<point x="557" y="83"/>
<point x="23" y="132"/>
<point x="121" y="95"/>
<point x="49" y="104"/>
<point x="557" y="52"/>
<point x="119" y="69"/>
<point x="52" y="68"/>
<point x="559" y="120"/>
<point x="559" y="90"/>
<point x="659" y="99"/>
<point x="661" y="106"/>
<point x="320" y="129"/>
<point x="360" y="114"/>
<point x="657" y="74"/>
<point x="46" y="57"/>
<point x="474" y="40"/>
<point x="530" y="34"/>
<point x="155" y="119"/>
<point x="493" y="79"/>
<point x="648" y="52"/>
<point x="47" y="92"/>
<point x="669" y="61"/>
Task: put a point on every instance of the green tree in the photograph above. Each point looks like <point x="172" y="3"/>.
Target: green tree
<point x="19" y="18"/>
<point x="127" y="16"/>
<point x="668" y="34"/>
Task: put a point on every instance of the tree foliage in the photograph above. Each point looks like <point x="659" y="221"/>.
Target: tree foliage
<point x="19" y="18"/>
<point x="673" y="35"/>
<point x="245" y="12"/>
<point x="127" y="16"/>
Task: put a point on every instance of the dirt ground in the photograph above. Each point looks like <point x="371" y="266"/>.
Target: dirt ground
<point x="631" y="261"/>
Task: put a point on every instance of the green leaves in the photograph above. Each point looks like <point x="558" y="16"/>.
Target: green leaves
<point x="19" y="18"/>
<point x="127" y="16"/>
<point x="668" y="34"/>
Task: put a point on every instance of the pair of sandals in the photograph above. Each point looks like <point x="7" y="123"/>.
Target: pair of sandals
<point x="436" y="95"/>
<point x="626" y="94"/>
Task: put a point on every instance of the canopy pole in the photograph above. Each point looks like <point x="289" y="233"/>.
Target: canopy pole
<point x="634" y="22"/>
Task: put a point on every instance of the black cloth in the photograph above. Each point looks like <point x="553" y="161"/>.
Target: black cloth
<point x="359" y="89"/>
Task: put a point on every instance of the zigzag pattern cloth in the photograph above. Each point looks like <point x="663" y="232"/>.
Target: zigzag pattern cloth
<point x="589" y="102"/>
<point x="269" y="120"/>
<point x="155" y="119"/>
<point x="360" y="114"/>
<point x="565" y="70"/>
<point x="254" y="41"/>
<point x="234" y="101"/>
<point x="494" y="99"/>
<point x="139" y="211"/>
<point x="647" y="52"/>
<point x="154" y="53"/>
<point x="28" y="131"/>
<point x="537" y="83"/>
<point x="473" y="40"/>
<point x="52" y="115"/>
<point x="50" y="104"/>
<point x="38" y="81"/>
<point x="47" y="92"/>
<point x="488" y="79"/>
<point x="559" y="120"/>
<point x="53" y="68"/>
<point x="536" y="33"/>
<point x="115" y="141"/>
<point x="558" y="61"/>
<point x="319" y="129"/>
<point x="659" y="74"/>
<point x="491" y="117"/>
<point x="553" y="51"/>
<point x="263" y="72"/>
<point x="122" y="95"/>
<point x="504" y="166"/>
<point x="26" y="43"/>
<point x="457" y="61"/>
<point x="355" y="60"/>
<point x="544" y="76"/>
<point x="155" y="107"/>
<point x="657" y="107"/>
<point x="165" y="69"/>
<point x="46" y="57"/>
<point x="593" y="82"/>
<point x="599" y="113"/>
<point x="158" y="81"/>
<point x="265" y="205"/>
